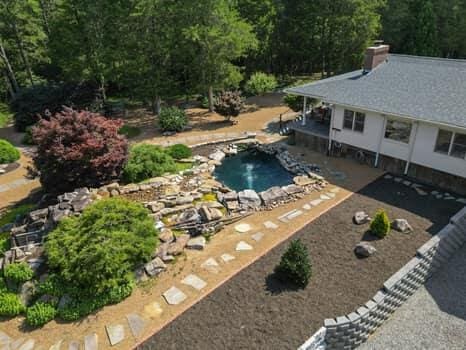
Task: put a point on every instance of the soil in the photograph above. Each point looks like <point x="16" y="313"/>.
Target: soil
<point x="254" y="310"/>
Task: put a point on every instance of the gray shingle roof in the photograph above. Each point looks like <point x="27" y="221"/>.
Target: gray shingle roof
<point x="429" y="89"/>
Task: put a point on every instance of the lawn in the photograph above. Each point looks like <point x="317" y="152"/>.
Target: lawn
<point x="255" y="310"/>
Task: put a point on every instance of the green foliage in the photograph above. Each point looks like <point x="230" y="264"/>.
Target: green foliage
<point x="11" y="214"/>
<point x="209" y="197"/>
<point x="8" y="152"/>
<point x="10" y="305"/>
<point x="5" y="115"/>
<point x="295" y="265"/>
<point x="129" y="131"/>
<point x="229" y="104"/>
<point x="173" y="119"/>
<point x="40" y="314"/>
<point x="146" y="161"/>
<point x="259" y="83"/>
<point x="3" y="286"/>
<point x="294" y="102"/>
<point x="4" y="242"/>
<point x="28" y="138"/>
<point x="18" y="272"/>
<point x="98" y="251"/>
<point x="380" y="225"/>
<point x="179" y="151"/>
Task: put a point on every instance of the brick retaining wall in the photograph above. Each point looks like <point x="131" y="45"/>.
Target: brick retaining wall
<point x="349" y="331"/>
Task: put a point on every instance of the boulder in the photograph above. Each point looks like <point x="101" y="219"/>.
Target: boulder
<point x="273" y="195"/>
<point x="232" y="205"/>
<point x="26" y="292"/>
<point x="140" y="275"/>
<point x="217" y="155"/>
<point x="364" y="250"/>
<point x="166" y="235"/>
<point x="360" y="218"/>
<point x="176" y="248"/>
<point x="197" y="243"/>
<point x="402" y="225"/>
<point x="210" y="214"/>
<point x="38" y="214"/>
<point x="293" y="189"/>
<point x="249" y="199"/>
<point x="303" y="180"/>
<point x="230" y="196"/>
<point x="154" y="267"/>
<point x="189" y="215"/>
<point x="184" y="200"/>
<point x="155" y="207"/>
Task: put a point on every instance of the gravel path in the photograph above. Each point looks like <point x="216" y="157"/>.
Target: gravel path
<point x="433" y="318"/>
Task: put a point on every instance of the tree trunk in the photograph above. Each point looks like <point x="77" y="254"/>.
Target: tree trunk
<point x="102" y="88"/>
<point x="157" y="105"/>
<point x="14" y="87"/>
<point x="211" y="99"/>
<point x="23" y="55"/>
<point x="45" y="16"/>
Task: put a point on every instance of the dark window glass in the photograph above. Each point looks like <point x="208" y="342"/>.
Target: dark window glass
<point x="348" y="119"/>
<point x="359" y="122"/>
<point x="397" y="130"/>
<point x="443" y="141"/>
<point x="458" y="149"/>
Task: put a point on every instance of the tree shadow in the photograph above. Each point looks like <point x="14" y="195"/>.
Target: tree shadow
<point x="276" y="285"/>
<point x="368" y="236"/>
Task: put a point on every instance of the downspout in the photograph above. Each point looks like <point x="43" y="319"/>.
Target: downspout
<point x="411" y="148"/>
<point x="379" y="146"/>
<point x="304" y="111"/>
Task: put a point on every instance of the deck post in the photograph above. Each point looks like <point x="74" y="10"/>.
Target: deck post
<point x="411" y="147"/>
<point x="379" y="146"/>
<point x="304" y="111"/>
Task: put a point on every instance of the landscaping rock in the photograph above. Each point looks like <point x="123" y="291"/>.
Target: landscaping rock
<point x="189" y="216"/>
<point x="273" y="195"/>
<point x="293" y="189"/>
<point x="243" y="246"/>
<point x="136" y="324"/>
<point x="140" y="275"/>
<point x="211" y="265"/>
<point x="194" y="281"/>
<point x="230" y="196"/>
<point x="116" y="333"/>
<point x="361" y="218"/>
<point x="364" y="250"/>
<point x="217" y="155"/>
<point x="242" y="228"/>
<point x="176" y="248"/>
<point x="249" y="199"/>
<point x="270" y="225"/>
<point x="227" y="257"/>
<point x="91" y="342"/>
<point x="210" y="214"/>
<point x="303" y="180"/>
<point x="27" y="292"/>
<point x="402" y="225"/>
<point x="197" y="243"/>
<point x="174" y="296"/>
<point x="154" y="267"/>
<point x="166" y="235"/>
<point x="155" y="207"/>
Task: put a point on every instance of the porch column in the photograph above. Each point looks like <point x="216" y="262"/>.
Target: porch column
<point x="411" y="147"/>
<point x="304" y="110"/>
<point x="331" y="129"/>
<point x="379" y="146"/>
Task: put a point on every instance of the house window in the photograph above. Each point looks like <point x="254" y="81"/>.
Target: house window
<point x="451" y="143"/>
<point x="354" y="120"/>
<point x="398" y="131"/>
<point x="443" y="141"/>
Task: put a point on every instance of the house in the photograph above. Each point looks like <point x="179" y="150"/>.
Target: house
<point x="404" y="114"/>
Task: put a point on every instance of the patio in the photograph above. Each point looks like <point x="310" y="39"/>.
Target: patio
<point x="314" y="127"/>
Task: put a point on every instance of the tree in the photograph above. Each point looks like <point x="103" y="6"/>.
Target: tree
<point x="229" y="104"/>
<point x="259" y="83"/>
<point x="295" y="265"/>
<point x="77" y="149"/>
<point x="380" y="225"/>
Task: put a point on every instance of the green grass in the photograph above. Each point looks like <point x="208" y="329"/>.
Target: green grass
<point x="5" y="115"/>
<point x="129" y="131"/>
<point x="10" y="214"/>
<point x="183" y="166"/>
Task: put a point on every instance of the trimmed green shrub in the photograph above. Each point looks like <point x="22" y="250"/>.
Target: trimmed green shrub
<point x="172" y="119"/>
<point x="98" y="251"/>
<point x="380" y="225"/>
<point x="18" y="272"/>
<point x="146" y="161"/>
<point x="10" y="305"/>
<point x="129" y="131"/>
<point x="229" y="104"/>
<point x="8" y="152"/>
<point x="40" y="314"/>
<point x="179" y="151"/>
<point x="295" y="265"/>
<point x="259" y="83"/>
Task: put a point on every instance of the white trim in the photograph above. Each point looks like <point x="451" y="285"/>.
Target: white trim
<point x="411" y="146"/>
<point x="381" y="138"/>
<point x="304" y="111"/>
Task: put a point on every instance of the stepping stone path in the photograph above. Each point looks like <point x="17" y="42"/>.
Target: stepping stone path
<point x="461" y="200"/>
<point x="257" y="236"/>
<point x="330" y="194"/>
<point x="28" y="345"/>
<point x="91" y="342"/>
<point x="136" y="324"/>
<point x="4" y="339"/>
<point x="116" y="333"/>
<point x="211" y="265"/>
<point x="324" y="197"/>
<point x="55" y="346"/>
<point x="194" y="281"/>
<point x="407" y="183"/>
<point x="398" y="179"/>
<point x="335" y="190"/>
<point x="243" y="228"/>
<point x="306" y="207"/>
<point x="315" y="202"/>
<point x="388" y="177"/>
<point x="270" y="225"/>
<point x="243" y="246"/>
<point x="227" y="257"/>
<point x="174" y="296"/>
<point x="74" y="345"/>
<point x="153" y="310"/>
<point x="290" y="215"/>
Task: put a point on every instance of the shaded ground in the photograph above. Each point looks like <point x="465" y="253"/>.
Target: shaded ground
<point x="255" y="311"/>
<point x="435" y="314"/>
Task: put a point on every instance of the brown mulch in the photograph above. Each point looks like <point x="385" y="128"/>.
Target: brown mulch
<point x="255" y="311"/>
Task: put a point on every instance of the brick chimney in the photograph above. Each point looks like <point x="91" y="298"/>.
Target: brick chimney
<point x="375" y="55"/>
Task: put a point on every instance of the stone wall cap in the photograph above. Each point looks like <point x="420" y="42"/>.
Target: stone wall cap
<point x="401" y="273"/>
<point x="328" y="322"/>
<point x="341" y="320"/>
<point x="353" y="316"/>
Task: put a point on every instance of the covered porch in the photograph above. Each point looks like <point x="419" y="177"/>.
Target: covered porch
<point x="314" y="121"/>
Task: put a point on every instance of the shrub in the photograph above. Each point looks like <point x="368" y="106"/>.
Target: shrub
<point x="129" y="131"/>
<point x="28" y="138"/>
<point x="229" y="104"/>
<point x="8" y="152"/>
<point x="294" y="102"/>
<point x="259" y="83"/>
<point x="173" y="119"/>
<point x="98" y="251"/>
<point x="10" y="305"/>
<point x="380" y="225"/>
<point x="146" y="161"/>
<point x="295" y="265"/>
<point x="46" y="100"/>
<point x="12" y="213"/>
<point x="78" y="149"/>
<point x="18" y="272"/>
<point x="179" y="151"/>
<point x="40" y="314"/>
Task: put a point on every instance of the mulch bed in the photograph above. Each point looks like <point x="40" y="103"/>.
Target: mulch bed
<point x="255" y="311"/>
<point x="10" y="167"/>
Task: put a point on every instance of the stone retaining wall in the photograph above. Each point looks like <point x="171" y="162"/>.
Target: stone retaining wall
<point x="349" y="331"/>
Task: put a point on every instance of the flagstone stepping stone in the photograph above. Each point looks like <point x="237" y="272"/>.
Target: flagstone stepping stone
<point x="15" y="344"/>
<point x="449" y="198"/>
<point x="28" y="345"/>
<point x="324" y="197"/>
<point x="257" y="236"/>
<point x="116" y="333"/>
<point x="74" y="345"/>
<point x="315" y="202"/>
<point x="136" y="324"/>
<point x="284" y="217"/>
<point x="227" y="257"/>
<point x="243" y="246"/>
<point x="306" y="207"/>
<point x="91" y="342"/>
<point x="4" y="339"/>
<point x="243" y="228"/>
<point x="294" y="215"/>
<point x="434" y="193"/>
<point x="153" y="310"/>
<point x="270" y="225"/>
<point x="388" y="177"/>
<point x="194" y="281"/>
<point x="174" y="296"/>
<point x="211" y="265"/>
<point x="57" y="345"/>
<point x="407" y="183"/>
<point x="330" y="194"/>
<point x="439" y="196"/>
<point x="420" y="191"/>
<point x="398" y="179"/>
<point x="335" y="190"/>
<point x="461" y="200"/>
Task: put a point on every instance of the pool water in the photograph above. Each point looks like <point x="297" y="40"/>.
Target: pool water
<point x="252" y="170"/>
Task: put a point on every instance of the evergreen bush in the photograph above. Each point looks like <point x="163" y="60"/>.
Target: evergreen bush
<point x="179" y="151"/>
<point x="8" y="152"/>
<point x="18" y="273"/>
<point x="10" y="305"/>
<point x="380" y="225"/>
<point x="173" y="119"/>
<point x="40" y="314"/>
<point x="295" y="265"/>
